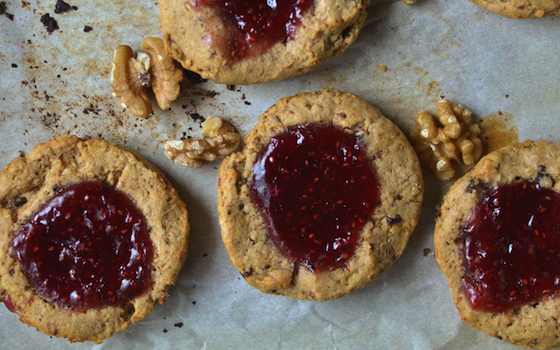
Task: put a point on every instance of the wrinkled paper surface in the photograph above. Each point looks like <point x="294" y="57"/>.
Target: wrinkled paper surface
<point x="437" y="47"/>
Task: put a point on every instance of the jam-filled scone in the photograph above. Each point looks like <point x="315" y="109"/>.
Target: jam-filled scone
<point x="497" y="241"/>
<point x="522" y="8"/>
<point x="91" y="237"/>
<point x="252" y="41"/>
<point x="323" y="197"/>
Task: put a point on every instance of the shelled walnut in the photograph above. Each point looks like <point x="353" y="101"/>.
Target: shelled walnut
<point x="166" y="76"/>
<point x="132" y="76"/>
<point x="220" y="139"/>
<point x="449" y="139"/>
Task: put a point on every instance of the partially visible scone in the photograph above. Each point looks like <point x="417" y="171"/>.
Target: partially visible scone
<point x="245" y="42"/>
<point x="497" y="241"/>
<point x="522" y="8"/>
<point x="91" y="238"/>
<point x="322" y="199"/>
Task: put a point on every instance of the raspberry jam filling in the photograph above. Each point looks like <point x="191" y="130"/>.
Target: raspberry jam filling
<point x="512" y="247"/>
<point x="9" y="304"/>
<point x="316" y="190"/>
<point x="256" y="25"/>
<point x="87" y="247"/>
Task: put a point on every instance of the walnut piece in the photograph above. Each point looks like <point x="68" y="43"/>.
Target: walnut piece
<point x="220" y="139"/>
<point x="129" y="79"/>
<point x="166" y="76"/>
<point x="450" y="139"/>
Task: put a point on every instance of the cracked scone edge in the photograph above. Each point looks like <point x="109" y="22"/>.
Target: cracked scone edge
<point x="65" y="160"/>
<point x="520" y="9"/>
<point x="381" y="241"/>
<point x="334" y="25"/>
<point x="535" y="327"/>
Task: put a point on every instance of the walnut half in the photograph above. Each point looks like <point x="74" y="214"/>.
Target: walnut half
<point x="450" y="139"/>
<point x="166" y="76"/>
<point x="219" y="139"/>
<point x="129" y="79"/>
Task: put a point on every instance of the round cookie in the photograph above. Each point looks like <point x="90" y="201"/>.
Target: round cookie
<point x="529" y="167"/>
<point x="522" y="8"/>
<point x="387" y="228"/>
<point x="204" y="41"/>
<point x="64" y="166"/>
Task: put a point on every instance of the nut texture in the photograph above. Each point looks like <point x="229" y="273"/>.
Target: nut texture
<point x="220" y="139"/>
<point x="129" y="78"/>
<point x="448" y="139"/>
<point x="166" y="76"/>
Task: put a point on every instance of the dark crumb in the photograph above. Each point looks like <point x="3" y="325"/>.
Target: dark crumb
<point x="14" y="65"/>
<point x="247" y="103"/>
<point x="88" y="29"/>
<point x="194" y="302"/>
<point x="4" y="11"/>
<point x="50" y="23"/>
<point x="231" y="87"/>
<point x="178" y="324"/>
<point x="197" y="117"/>
<point x="204" y="255"/>
<point x="394" y="220"/>
<point x="165" y="330"/>
<point x="193" y="78"/>
<point x="62" y="6"/>
<point x="19" y="201"/>
<point x="426" y="251"/>
<point x="507" y="95"/>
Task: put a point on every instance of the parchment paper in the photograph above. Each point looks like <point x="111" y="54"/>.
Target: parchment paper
<point x="438" y="47"/>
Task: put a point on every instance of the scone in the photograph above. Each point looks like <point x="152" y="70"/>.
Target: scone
<point x="91" y="237"/>
<point x="497" y="241"/>
<point x="245" y="42"/>
<point x="323" y="197"/>
<point x="522" y="8"/>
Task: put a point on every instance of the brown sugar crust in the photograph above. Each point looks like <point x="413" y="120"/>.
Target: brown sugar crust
<point x="522" y="8"/>
<point x="383" y="238"/>
<point x="32" y="179"/>
<point x="536" y="325"/>
<point x="327" y="29"/>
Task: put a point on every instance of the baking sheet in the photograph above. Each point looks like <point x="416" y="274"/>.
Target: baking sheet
<point x="438" y="47"/>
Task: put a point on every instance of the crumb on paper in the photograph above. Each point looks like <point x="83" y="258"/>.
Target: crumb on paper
<point x="219" y="139"/>
<point x="409" y="2"/>
<point x="49" y="23"/>
<point x="382" y="68"/>
<point x="4" y="11"/>
<point x="61" y="7"/>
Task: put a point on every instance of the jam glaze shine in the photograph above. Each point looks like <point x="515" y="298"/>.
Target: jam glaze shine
<point x="511" y="246"/>
<point x="87" y="247"/>
<point x="253" y="26"/>
<point x="316" y="190"/>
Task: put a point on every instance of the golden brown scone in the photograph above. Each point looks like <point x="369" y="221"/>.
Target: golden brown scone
<point x="522" y="8"/>
<point x="32" y="179"/>
<point x="536" y="324"/>
<point x="194" y="36"/>
<point x="386" y="231"/>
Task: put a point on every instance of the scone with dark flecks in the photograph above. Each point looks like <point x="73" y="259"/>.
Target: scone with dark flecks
<point x="323" y="197"/>
<point x="497" y="241"/>
<point x="252" y="41"/>
<point x="522" y="8"/>
<point x="91" y="238"/>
